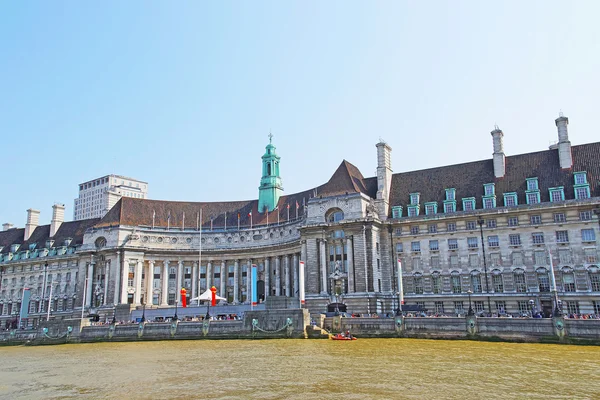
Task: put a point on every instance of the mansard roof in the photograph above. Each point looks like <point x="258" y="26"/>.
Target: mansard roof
<point x="468" y="178"/>
<point x="39" y="236"/>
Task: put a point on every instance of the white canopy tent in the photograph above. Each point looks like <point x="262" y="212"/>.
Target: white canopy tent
<point x="207" y="295"/>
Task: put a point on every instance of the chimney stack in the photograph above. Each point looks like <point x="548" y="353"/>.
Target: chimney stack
<point x="6" y="226"/>
<point x="58" y="217"/>
<point x="384" y="178"/>
<point x="33" y="220"/>
<point x="564" y="146"/>
<point x="498" y="155"/>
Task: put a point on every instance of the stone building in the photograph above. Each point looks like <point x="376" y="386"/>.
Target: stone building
<point x="486" y="227"/>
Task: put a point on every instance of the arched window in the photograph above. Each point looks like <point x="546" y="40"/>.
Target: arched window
<point x="334" y="215"/>
<point x="268" y="168"/>
<point x="456" y="285"/>
<point x="418" y="279"/>
<point x="436" y="282"/>
<point x="594" y="273"/>
<point x="476" y="281"/>
<point x="519" y="279"/>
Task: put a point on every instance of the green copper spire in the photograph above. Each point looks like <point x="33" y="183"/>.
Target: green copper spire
<point x="270" y="184"/>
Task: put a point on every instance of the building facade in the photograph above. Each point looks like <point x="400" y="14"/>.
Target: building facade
<point x="486" y="234"/>
<point x="98" y="196"/>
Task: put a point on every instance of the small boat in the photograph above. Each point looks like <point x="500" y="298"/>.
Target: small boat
<point x="340" y="336"/>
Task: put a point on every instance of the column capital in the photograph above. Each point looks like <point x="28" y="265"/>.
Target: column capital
<point x="151" y="262"/>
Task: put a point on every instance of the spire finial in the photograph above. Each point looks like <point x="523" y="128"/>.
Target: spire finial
<point x="270" y="136"/>
<point x="496" y="127"/>
<point x="560" y="113"/>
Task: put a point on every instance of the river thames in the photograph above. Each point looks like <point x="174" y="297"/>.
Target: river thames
<point x="300" y="369"/>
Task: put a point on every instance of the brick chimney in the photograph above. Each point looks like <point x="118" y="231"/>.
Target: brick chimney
<point x="58" y="217"/>
<point x="33" y="220"/>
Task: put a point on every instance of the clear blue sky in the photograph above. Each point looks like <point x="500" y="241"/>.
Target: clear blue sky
<point x="183" y="94"/>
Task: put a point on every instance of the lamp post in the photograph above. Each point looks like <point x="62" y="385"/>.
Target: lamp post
<point x="470" y="312"/>
<point x="487" y="287"/>
<point x="531" y="302"/>
<point x="176" y="317"/>
<point x="144" y="313"/>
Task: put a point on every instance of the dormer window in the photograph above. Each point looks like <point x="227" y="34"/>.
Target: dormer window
<point x="580" y="178"/>
<point x="32" y="246"/>
<point x="532" y="184"/>
<point x="49" y="243"/>
<point x="489" y="189"/>
<point x="451" y="194"/>
<point x="430" y="208"/>
<point x="413" y="211"/>
<point x="468" y="203"/>
<point x="14" y="248"/>
<point x="68" y="241"/>
<point x="397" y="212"/>
<point x="510" y="199"/>
<point x="557" y="194"/>
<point x="414" y="198"/>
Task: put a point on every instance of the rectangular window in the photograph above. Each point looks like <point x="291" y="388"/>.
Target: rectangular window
<point x="432" y="228"/>
<point x="454" y="260"/>
<point x="399" y="248"/>
<point x="490" y="223"/>
<point x="418" y="285"/>
<point x="489" y="202"/>
<point x="414" y="198"/>
<point x="476" y="283"/>
<point x="479" y="307"/>
<point x="564" y="256"/>
<point x="533" y="198"/>
<point x="430" y="208"/>
<point x="585" y="215"/>
<point x="595" y="281"/>
<point x="468" y="204"/>
<point x="517" y="258"/>
<point x="523" y="307"/>
<point x="535" y="219"/>
<point x="532" y="184"/>
<point x="397" y="212"/>
<point x="398" y="231"/>
<point x="493" y="241"/>
<point x="580" y="178"/>
<point x="472" y="242"/>
<point x="434" y="245"/>
<point x="568" y="282"/>
<point x="435" y="261"/>
<point x="451" y="227"/>
<point x="560" y="217"/>
<point x="415" y="246"/>
<point x="572" y="307"/>
<point x="556" y="194"/>
<point x="489" y="189"/>
<point x="589" y="255"/>
<point x="471" y="225"/>
<point x="495" y="260"/>
<point x="413" y="211"/>
<point x="513" y="221"/>
<point x="582" y="192"/>
<point x="439" y="307"/>
<point x="543" y="281"/>
<point x="449" y="207"/>
<point x="416" y="263"/>
<point x="588" y="235"/>
<point x="459" y="307"/>
<point x="453" y="244"/>
<point x="456" y="287"/>
<point x="451" y="194"/>
<point x="435" y="284"/>
<point x="596" y="307"/>
<point x="562" y="237"/>
<point x="514" y="239"/>
<point x="540" y="257"/>
<point x="473" y="260"/>
<point x="414" y="230"/>
<point x="510" y="200"/>
<point x="501" y="307"/>
<point x="537" y="238"/>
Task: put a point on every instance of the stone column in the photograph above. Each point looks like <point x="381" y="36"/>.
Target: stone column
<point x="178" y="284"/>
<point x="277" y="276"/>
<point x="150" y="283"/>
<point x="164" y="297"/>
<point x="236" y="283"/>
<point x="323" y="266"/>
<point x="286" y="267"/>
<point x="223" y="275"/>
<point x="138" y="283"/>
<point x="209" y="275"/>
<point x="194" y="279"/>
<point x="125" y="285"/>
<point x="118" y="274"/>
<point x="90" y="284"/>
<point x="350" y="255"/>
<point x="106" y="275"/>
<point x="267" y="278"/>
<point x="295" y="290"/>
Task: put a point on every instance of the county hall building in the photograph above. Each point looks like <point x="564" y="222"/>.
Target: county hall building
<point x="488" y="230"/>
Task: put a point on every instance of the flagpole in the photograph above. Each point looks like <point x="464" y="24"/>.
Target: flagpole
<point x="288" y="212"/>
<point x="183" y="222"/>
<point x="199" y="259"/>
<point x="238" y="221"/>
<point x="267" y="208"/>
<point x="153" y="216"/>
<point x="225" y="220"/>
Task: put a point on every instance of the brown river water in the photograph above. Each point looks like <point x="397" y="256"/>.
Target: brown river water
<point x="301" y="369"/>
